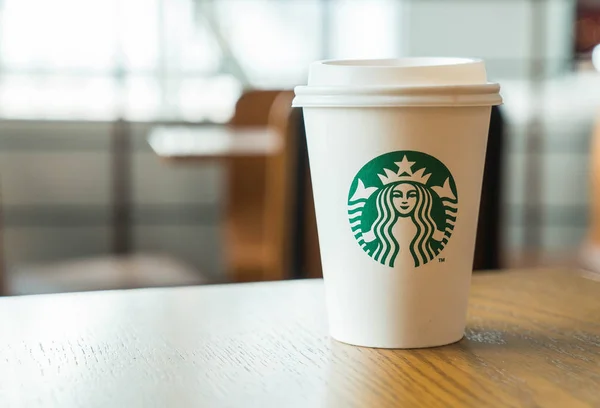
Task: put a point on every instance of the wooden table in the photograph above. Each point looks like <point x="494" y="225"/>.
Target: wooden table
<point x="212" y="142"/>
<point x="533" y="339"/>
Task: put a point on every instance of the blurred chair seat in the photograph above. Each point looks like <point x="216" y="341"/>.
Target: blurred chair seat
<point x="102" y="273"/>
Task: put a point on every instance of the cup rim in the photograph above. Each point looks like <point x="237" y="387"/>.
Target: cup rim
<point x="406" y="62"/>
<point x="389" y="96"/>
<point x="487" y="88"/>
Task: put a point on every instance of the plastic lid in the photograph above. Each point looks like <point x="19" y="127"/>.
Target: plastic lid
<point x="398" y="82"/>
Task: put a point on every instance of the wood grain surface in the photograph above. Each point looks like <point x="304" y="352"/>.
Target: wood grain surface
<point x="533" y="339"/>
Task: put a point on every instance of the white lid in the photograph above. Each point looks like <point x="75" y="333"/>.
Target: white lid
<point x="398" y="82"/>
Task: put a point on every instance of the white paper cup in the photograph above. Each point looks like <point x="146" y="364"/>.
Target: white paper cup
<point x="396" y="151"/>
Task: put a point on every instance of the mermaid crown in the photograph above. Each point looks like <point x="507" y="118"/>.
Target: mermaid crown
<point x="404" y="173"/>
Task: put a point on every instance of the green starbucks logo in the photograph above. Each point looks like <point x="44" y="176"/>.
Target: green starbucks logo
<point x="403" y="204"/>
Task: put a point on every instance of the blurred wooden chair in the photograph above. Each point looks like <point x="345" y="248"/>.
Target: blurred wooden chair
<point x="291" y="234"/>
<point x="290" y="225"/>
<point x="590" y="256"/>
<point x="245" y="251"/>
<point x="280" y="192"/>
<point x="270" y="235"/>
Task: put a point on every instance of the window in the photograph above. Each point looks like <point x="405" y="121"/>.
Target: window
<point x="172" y="59"/>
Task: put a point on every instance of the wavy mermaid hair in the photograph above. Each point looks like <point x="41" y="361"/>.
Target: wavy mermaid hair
<point x="387" y="215"/>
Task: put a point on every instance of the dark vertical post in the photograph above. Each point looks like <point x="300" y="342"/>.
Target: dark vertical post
<point x="121" y="187"/>
<point x="532" y="217"/>
<point x="3" y="288"/>
<point x="121" y="154"/>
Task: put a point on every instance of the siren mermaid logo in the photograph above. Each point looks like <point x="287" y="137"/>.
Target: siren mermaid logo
<point x="403" y="204"/>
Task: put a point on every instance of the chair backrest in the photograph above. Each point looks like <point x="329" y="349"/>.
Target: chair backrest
<point x="245" y="249"/>
<point x="594" y="228"/>
<point x="280" y="204"/>
<point x="290" y="221"/>
<point x="253" y="108"/>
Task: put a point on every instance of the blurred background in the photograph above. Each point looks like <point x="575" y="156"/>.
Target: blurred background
<point x="88" y="203"/>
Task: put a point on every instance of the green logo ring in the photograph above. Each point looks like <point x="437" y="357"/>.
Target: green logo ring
<point x="403" y="204"/>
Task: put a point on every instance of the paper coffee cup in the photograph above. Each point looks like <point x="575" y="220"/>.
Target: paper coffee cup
<point x="396" y="151"/>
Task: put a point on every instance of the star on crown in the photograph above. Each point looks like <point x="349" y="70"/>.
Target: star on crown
<point x="404" y="173"/>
